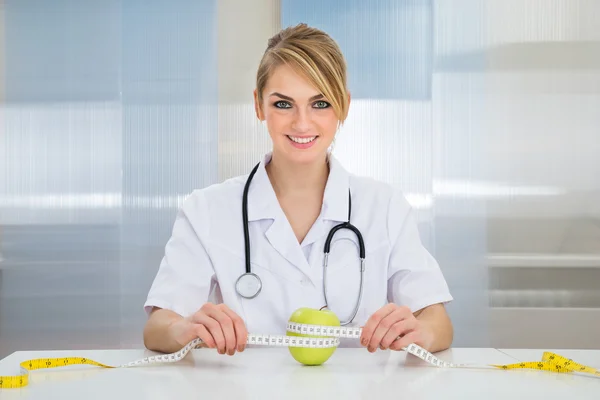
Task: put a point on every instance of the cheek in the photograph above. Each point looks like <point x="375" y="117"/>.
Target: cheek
<point x="327" y="123"/>
<point x="276" y="122"/>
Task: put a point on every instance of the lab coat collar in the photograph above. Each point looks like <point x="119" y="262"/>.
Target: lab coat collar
<point x="263" y="203"/>
<point x="335" y="198"/>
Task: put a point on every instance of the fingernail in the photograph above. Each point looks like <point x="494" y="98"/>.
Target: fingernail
<point x="364" y="342"/>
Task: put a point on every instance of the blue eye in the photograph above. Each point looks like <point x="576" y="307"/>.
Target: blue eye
<point x="322" y="104"/>
<point x="282" y="104"/>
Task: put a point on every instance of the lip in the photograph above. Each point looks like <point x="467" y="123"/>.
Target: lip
<point x="302" y="146"/>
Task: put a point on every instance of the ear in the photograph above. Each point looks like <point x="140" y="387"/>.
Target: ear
<point x="257" y="107"/>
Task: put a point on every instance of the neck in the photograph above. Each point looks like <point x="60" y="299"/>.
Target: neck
<point x="289" y="179"/>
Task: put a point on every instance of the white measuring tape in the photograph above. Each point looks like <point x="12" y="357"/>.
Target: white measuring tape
<point x="330" y="337"/>
<point x="334" y="334"/>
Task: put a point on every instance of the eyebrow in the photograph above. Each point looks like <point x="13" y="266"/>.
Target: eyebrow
<point x="316" y="97"/>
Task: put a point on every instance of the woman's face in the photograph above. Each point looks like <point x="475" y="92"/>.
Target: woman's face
<point x="301" y="122"/>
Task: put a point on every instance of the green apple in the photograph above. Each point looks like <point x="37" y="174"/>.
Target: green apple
<point x="305" y="315"/>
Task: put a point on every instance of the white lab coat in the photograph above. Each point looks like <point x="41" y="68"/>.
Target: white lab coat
<point x="205" y="254"/>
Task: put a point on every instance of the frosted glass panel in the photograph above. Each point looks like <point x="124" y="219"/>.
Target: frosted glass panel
<point x="394" y="133"/>
<point x="169" y="106"/>
<point x="61" y="183"/>
<point x="542" y="147"/>
<point x="485" y="112"/>
<point x="109" y="121"/>
<point x="387" y="43"/>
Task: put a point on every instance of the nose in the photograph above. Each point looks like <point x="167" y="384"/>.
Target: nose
<point x="301" y="121"/>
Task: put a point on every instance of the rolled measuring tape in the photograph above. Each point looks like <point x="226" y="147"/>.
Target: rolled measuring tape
<point x="329" y="337"/>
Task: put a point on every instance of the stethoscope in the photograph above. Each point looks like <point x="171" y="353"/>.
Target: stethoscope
<point x="249" y="285"/>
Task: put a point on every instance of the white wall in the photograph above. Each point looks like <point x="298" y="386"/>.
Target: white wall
<point x="244" y="29"/>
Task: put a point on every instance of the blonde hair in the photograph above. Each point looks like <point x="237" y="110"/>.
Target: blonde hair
<point x="316" y="56"/>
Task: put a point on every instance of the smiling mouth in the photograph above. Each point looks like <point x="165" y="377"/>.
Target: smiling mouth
<point x="302" y="140"/>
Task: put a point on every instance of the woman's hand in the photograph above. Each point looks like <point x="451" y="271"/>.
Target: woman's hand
<point x="394" y="327"/>
<point x="216" y="325"/>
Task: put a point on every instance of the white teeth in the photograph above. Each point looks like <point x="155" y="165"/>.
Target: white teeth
<point x="302" y="140"/>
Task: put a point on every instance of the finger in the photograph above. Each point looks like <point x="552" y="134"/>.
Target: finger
<point x="205" y="335"/>
<point x="373" y="321"/>
<point x="214" y="327"/>
<point x="384" y="326"/>
<point x="227" y="328"/>
<point x="241" y="333"/>
<point x="398" y="329"/>
<point x="403" y="342"/>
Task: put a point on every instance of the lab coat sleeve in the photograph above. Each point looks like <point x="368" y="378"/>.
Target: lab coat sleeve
<point x="182" y="283"/>
<point x="415" y="279"/>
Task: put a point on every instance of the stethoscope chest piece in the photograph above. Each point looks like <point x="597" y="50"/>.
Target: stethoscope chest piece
<point x="248" y="285"/>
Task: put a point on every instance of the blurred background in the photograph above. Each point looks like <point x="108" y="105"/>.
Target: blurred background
<point x="485" y="112"/>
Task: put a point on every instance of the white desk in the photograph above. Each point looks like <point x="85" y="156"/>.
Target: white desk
<point x="271" y="373"/>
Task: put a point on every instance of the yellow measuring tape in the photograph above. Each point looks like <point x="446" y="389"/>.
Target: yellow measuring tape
<point x="21" y="380"/>
<point x="328" y="337"/>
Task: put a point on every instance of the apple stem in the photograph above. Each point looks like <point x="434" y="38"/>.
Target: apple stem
<point x="322" y="307"/>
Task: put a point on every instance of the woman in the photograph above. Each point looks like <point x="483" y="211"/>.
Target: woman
<point x="297" y="194"/>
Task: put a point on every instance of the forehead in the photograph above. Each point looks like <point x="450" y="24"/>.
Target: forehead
<point x="287" y="81"/>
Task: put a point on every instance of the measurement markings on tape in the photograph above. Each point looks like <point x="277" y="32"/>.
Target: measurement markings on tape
<point x="329" y="337"/>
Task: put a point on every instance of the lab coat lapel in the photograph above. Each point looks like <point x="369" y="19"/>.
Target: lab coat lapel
<point x="281" y="236"/>
<point x="334" y="211"/>
<point x="263" y="204"/>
